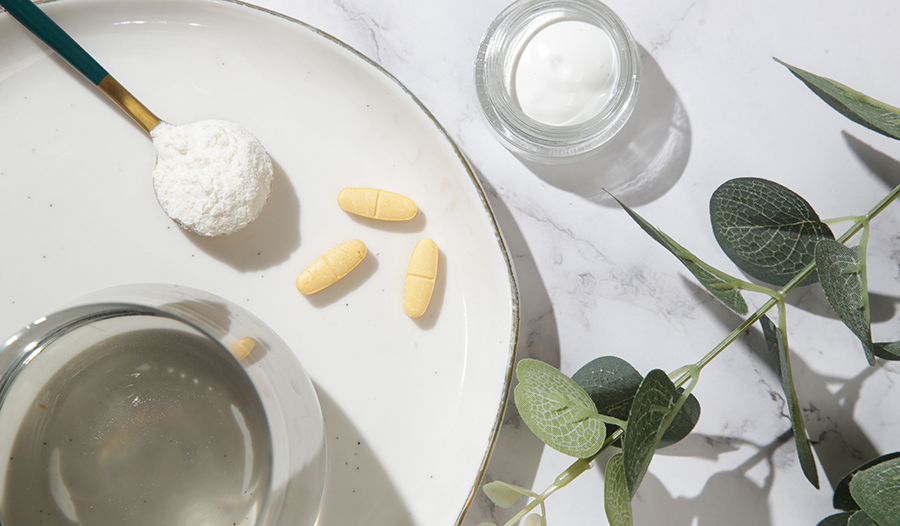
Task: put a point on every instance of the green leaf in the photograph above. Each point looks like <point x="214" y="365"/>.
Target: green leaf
<point x="877" y="491"/>
<point x="839" y="272"/>
<point x="858" y="107"/>
<point x="861" y="518"/>
<point x="654" y="408"/>
<point x="557" y="410"/>
<point x="718" y="287"/>
<point x="838" y="519"/>
<point x="843" y="500"/>
<point x="768" y="231"/>
<point x="612" y="383"/>
<point x="615" y="493"/>
<point x="782" y="360"/>
<point x="887" y="351"/>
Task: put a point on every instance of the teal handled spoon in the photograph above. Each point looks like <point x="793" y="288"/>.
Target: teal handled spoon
<point x="47" y="30"/>
<point x="216" y="186"/>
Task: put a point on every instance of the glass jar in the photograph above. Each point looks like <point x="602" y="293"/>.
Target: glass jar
<point x="141" y="405"/>
<point x="495" y="72"/>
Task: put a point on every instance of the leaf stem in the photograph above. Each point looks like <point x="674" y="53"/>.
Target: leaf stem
<point x="609" y="420"/>
<point x="728" y="281"/>
<point x="571" y="473"/>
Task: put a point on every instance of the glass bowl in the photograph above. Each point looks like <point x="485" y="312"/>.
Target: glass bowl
<point x="157" y="404"/>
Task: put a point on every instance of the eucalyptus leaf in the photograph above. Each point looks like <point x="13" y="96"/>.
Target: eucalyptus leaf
<point x="877" y="491"/>
<point x="612" y="383"/>
<point x="617" y="501"/>
<point x="767" y="230"/>
<point x="557" y="410"/>
<point x="843" y="500"/>
<point x="858" y="107"/>
<point x="716" y="286"/>
<point x="653" y="409"/>
<point x="861" y="518"/>
<point x="887" y="350"/>
<point x="839" y="274"/>
<point x="782" y="360"/>
<point x="838" y="519"/>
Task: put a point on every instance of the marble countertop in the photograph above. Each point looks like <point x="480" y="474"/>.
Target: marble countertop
<point x="714" y="106"/>
<point x="593" y="284"/>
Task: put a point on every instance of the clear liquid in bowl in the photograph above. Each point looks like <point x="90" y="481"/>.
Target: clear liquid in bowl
<point x="149" y="427"/>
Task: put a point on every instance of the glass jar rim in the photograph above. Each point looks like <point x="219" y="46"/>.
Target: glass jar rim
<point x="497" y="55"/>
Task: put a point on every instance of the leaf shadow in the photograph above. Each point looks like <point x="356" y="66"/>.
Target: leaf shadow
<point x="517" y="452"/>
<point x="880" y="164"/>
<point x="654" y="504"/>
<point x="838" y="441"/>
<point x="828" y="413"/>
<point x="883" y="308"/>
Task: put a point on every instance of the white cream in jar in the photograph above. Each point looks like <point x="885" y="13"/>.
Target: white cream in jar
<point x="557" y="79"/>
<point x="565" y="73"/>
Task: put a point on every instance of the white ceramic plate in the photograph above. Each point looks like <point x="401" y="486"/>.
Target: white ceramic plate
<point x="412" y="407"/>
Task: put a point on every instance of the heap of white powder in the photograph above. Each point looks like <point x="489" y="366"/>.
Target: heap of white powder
<point x="212" y="177"/>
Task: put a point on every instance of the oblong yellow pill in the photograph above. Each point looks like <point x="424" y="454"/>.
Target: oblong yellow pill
<point x="420" y="278"/>
<point x="331" y="266"/>
<point x="377" y="204"/>
<point x="243" y="347"/>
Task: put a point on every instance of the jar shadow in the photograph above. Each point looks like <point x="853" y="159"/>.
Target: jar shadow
<point x="643" y="161"/>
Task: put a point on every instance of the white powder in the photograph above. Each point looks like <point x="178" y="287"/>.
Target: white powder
<point x="212" y="177"/>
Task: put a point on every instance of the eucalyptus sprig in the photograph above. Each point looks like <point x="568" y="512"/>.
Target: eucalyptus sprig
<point x="776" y="238"/>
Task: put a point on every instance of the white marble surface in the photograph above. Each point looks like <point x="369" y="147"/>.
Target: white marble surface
<point x="593" y="284"/>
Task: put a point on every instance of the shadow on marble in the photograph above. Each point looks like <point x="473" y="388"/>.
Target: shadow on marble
<point x="644" y="160"/>
<point x="883" y="308"/>
<point x="517" y="453"/>
<point x="715" y="505"/>
<point x="828" y="413"/>
<point x="883" y="166"/>
<point x="357" y="490"/>
<point x="707" y="447"/>
<point x="839" y="443"/>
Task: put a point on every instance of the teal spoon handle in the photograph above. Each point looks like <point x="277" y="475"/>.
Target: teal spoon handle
<point x="36" y="21"/>
<point x="31" y="16"/>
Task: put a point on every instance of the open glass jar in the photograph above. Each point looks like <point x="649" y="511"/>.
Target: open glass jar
<point x="157" y="404"/>
<point x="500" y="57"/>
